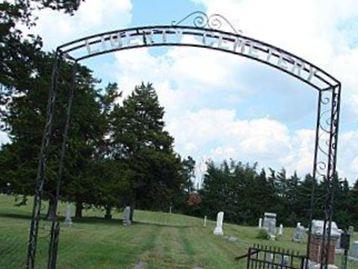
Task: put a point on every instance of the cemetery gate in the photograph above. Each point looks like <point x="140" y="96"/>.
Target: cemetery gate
<point x="264" y="257"/>
<point x="204" y="32"/>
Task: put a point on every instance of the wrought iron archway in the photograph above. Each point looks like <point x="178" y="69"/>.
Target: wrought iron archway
<point x="206" y="32"/>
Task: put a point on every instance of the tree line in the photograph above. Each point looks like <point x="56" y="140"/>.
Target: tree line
<point x="118" y="151"/>
<point x="245" y="194"/>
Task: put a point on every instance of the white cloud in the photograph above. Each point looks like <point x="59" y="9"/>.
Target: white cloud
<point x="93" y="16"/>
<point x="320" y="31"/>
<point x="300" y="157"/>
<point x="347" y="162"/>
<point x="324" y="32"/>
<point x="3" y="138"/>
<point x="221" y="134"/>
<point x="354" y="165"/>
<point x="185" y="78"/>
<point x="218" y="134"/>
<point x="190" y="83"/>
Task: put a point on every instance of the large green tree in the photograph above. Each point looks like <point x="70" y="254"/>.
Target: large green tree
<point x="24" y="118"/>
<point x="24" y="82"/>
<point x="18" y="51"/>
<point x="138" y="139"/>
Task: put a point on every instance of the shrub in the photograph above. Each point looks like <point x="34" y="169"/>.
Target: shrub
<point x="263" y="234"/>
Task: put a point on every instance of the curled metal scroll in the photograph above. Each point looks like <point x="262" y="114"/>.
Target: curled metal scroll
<point x="326" y="144"/>
<point x="202" y="20"/>
<point x="321" y="169"/>
<point x="325" y="100"/>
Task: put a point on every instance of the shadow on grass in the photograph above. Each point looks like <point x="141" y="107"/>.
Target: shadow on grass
<point x="162" y="224"/>
<point x="24" y="216"/>
<point x="95" y="220"/>
<point x="15" y="216"/>
<point x="99" y="220"/>
<point x="61" y="218"/>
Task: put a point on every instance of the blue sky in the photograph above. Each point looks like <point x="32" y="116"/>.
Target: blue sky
<point x="221" y="106"/>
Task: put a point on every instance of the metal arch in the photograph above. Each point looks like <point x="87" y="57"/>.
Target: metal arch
<point x="325" y="154"/>
<point x="142" y="33"/>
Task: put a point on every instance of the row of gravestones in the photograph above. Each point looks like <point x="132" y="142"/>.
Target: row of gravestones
<point x="126" y="216"/>
<point x="268" y="223"/>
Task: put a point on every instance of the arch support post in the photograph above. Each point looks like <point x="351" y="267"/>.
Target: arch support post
<point x="55" y="225"/>
<point x="40" y="178"/>
<point x="324" y="167"/>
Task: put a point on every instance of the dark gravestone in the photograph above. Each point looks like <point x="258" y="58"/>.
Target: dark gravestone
<point x="345" y="240"/>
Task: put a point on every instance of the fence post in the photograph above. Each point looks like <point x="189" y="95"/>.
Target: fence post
<point x="248" y="258"/>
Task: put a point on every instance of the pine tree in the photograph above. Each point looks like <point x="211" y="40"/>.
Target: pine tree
<point x="352" y="201"/>
<point x="213" y="190"/>
<point x="23" y="68"/>
<point x="24" y="121"/>
<point x="139" y="140"/>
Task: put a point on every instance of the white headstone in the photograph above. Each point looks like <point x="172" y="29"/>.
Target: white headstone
<point x="205" y="218"/>
<point x="317" y="229"/>
<point x="338" y="243"/>
<point x="270" y="223"/>
<point x="127" y="216"/>
<point x="270" y="257"/>
<point x="284" y="261"/>
<point x="260" y="223"/>
<point x="68" y="220"/>
<point x="280" y="230"/>
<point x="8" y="188"/>
<point x="299" y="234"/>
<point x="354" y="251"/>
<point x="219" y="224"/>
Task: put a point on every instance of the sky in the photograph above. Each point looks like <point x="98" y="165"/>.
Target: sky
<point x="221" y="106"/>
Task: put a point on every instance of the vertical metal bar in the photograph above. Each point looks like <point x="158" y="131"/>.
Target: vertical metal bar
<point x="337" y="127"/>
<point x="312" y="201"/>
<point x="332" y="164"/>
<point x="323" y="248"/>
<point x="40" y="178"/>
<point x="265" y="258"/>
<point x="248" y="258"/>
<point x="329" y="177"/>
<point x="302" y="263"/>
<point x="323" y="241"/>
<point x="52" y="262"/>
<point x="55" y="227"/>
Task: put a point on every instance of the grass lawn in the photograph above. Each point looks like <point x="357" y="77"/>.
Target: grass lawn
<point x="159" y="240"/>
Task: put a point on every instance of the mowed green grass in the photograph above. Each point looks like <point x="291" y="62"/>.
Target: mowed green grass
<point x="157" y="239"/>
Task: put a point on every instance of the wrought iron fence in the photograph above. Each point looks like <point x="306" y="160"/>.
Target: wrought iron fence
<point x="267" y="257"/>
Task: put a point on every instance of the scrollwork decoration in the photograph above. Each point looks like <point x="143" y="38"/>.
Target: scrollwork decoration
<point x="202" y="20"/>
